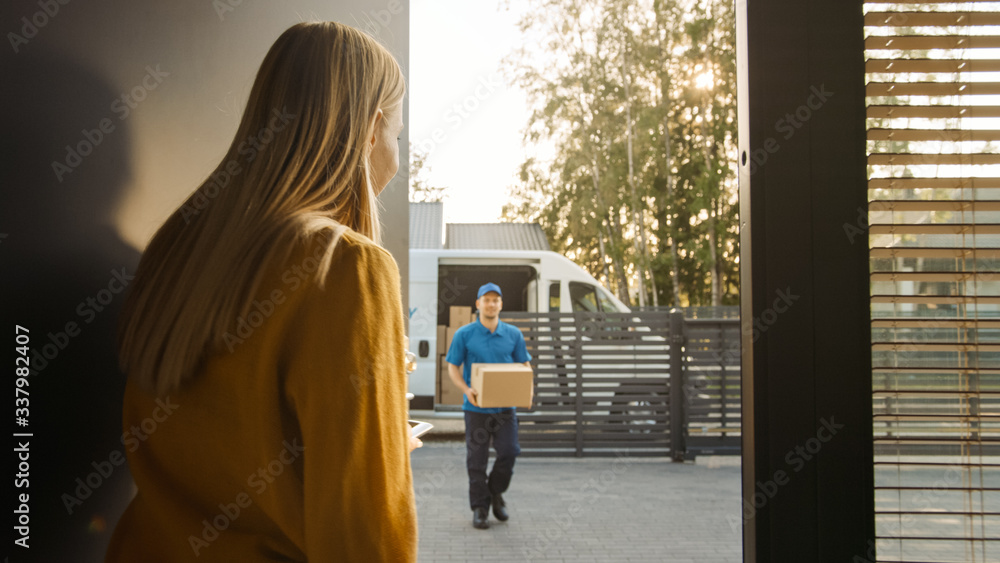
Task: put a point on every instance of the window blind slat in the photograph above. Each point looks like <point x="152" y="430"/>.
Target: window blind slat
<point x="945" y="135"/>
<point x="928" y="3"/>
<point x="917" y="346"/>
<point x="917" y="393"/>
<point x="911" y="159"/>
<point x="928" y="441"/>
<point x="930" y="19"/>
<point x="876" y="89"/>
<point x="937" y="299"/>
<point x="936" y="323"/>
<point x="934" y="276"/>
<point x="940" y="417"/>
<point x="929" y="66"/>
<point x="939" y="229"/>
<point x="914" y="183"/>
<point x="929" y="42"/>
<point x="957" y="206"/>
<point x="877" y="111"/>
<point x="921" y="252"/>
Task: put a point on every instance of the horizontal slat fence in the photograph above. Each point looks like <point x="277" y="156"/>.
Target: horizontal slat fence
<point x="603" y="384"/>
<point x="712" y="386"/>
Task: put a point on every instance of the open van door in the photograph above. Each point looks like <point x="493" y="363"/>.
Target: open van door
<point x="531" y="296"/>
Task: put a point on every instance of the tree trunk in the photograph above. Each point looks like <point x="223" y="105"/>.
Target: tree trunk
<point x="713" y="215"/>
<point x="675" y="270"/>
<point x="718" y="263"/>
<point x="639" y="231"/>
<point x="713" y="243"/>
<point x="604" y="257"/>
<point x="622" y="282"/>
<point x="619" y="263"/>
<point x="670" y="223"/>
<point x="595" y="175"/>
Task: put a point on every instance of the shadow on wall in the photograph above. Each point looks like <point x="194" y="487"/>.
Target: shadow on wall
<point x="63" y="272"/>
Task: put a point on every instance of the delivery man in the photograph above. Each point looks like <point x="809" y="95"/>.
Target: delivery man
<point x="488" y="340"/>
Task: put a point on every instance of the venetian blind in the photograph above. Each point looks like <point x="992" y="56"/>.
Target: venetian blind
<point x="933" y="87"/>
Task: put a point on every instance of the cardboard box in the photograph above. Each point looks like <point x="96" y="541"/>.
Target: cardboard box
<point x="449" y="336"/>
<point x="459" y="316"/>
<point x="442" y="340"/>
<point x="448" y="393"/>
<point x="503" y="385"/>
<point x="472" y="318"/>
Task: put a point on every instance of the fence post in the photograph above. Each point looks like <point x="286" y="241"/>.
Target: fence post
<point x="578" y="403"/>
<point x="678" y="416"/>
<point x="722" y="380"/>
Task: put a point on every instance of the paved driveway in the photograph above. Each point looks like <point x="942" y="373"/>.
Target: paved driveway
<point x="579" y="510"/>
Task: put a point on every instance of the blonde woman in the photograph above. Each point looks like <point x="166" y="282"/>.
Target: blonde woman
<point x="265" y="414"/>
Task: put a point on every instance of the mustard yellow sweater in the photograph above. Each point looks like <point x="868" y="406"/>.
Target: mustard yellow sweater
<point x="290" y="445"/>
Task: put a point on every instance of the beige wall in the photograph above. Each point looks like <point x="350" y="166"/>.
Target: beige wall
<point x="203" y="56"/>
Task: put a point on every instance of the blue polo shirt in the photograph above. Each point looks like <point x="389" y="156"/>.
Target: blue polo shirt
<point x="475" y="344"/>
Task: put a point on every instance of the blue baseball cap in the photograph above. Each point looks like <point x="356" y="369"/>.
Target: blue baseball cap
<point x="488" y="288"/>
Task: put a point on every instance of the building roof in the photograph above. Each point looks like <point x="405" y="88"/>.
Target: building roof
<point x="495" y="236"/>
<point x="426" y="221"/>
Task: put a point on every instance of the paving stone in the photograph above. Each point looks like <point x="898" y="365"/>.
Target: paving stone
<point x="589" y="509"/>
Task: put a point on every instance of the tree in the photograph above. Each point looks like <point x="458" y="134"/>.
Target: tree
<point x="637" y="99"/>
<point x="420" y="188"/>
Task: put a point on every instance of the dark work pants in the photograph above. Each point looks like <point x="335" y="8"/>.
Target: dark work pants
<point x="480" y="430"/>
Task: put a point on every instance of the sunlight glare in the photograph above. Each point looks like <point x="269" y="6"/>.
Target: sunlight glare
<point x="705" y="81"/>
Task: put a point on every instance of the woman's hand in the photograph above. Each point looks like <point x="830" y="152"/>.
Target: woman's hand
<point x="415" y="443"/>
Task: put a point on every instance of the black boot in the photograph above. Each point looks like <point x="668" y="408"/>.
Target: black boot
<point x="480" y="516"/>
<point x="499" y="508"/>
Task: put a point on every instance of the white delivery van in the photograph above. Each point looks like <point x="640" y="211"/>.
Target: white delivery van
<point x="531" y="280"/>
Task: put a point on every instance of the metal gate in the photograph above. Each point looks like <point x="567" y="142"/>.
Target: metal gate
<point x="646" y="383"/>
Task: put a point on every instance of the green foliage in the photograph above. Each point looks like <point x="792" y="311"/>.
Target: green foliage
<point x="679" y="58"/>
<point x="420" y="189"/>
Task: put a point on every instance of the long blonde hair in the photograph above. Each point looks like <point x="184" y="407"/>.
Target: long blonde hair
<point x="299" y="165"/>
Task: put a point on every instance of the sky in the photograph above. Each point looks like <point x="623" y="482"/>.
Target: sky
<point x="461" y="109"/>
